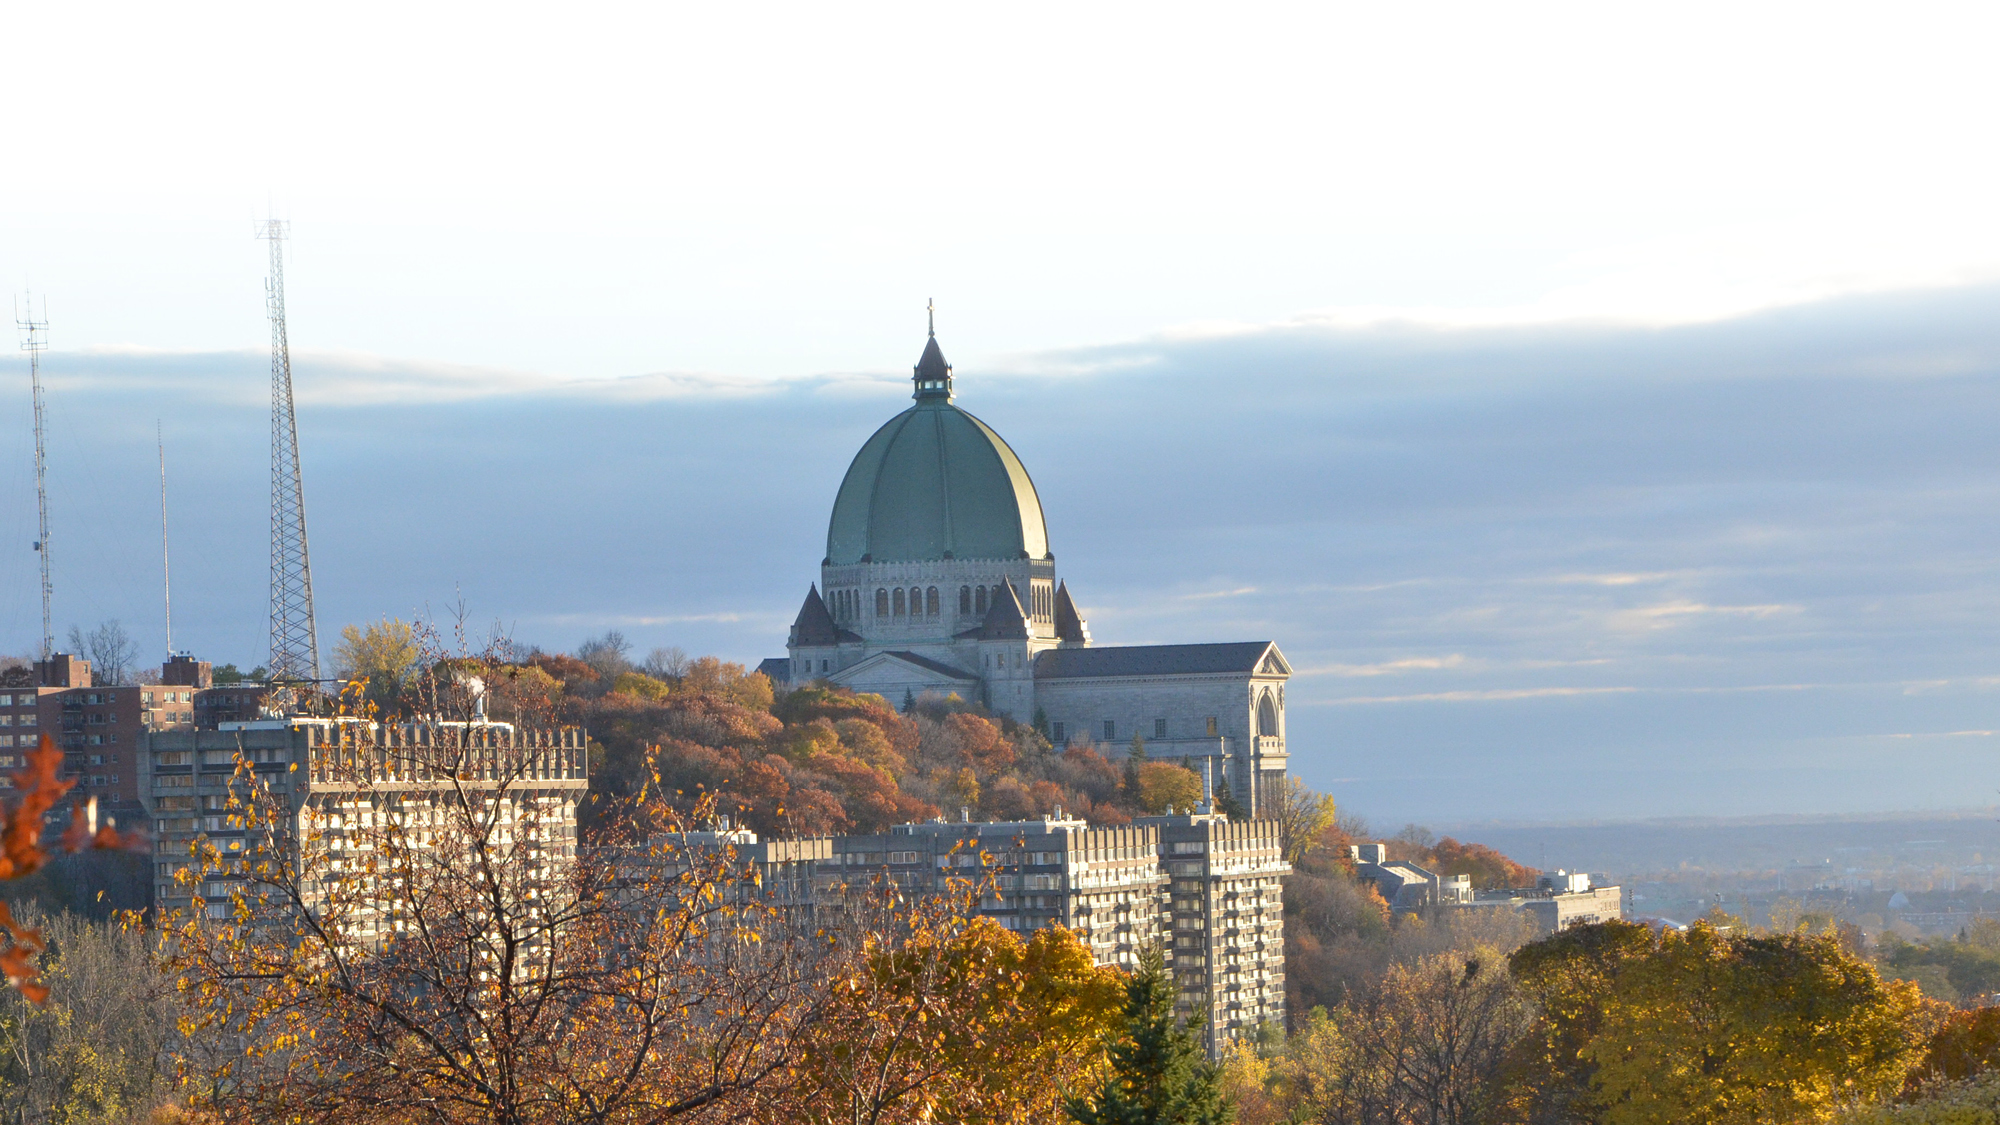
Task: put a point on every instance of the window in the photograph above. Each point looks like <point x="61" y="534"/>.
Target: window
<point x="964" y="599"/>
<point x="931" y="602"/>
<point x="916" y="601"/>
<point x="1159" y="728"/>
<point x="979" y="600"/>
<point x="1057" y="734"/>
<point x="8" y="700"/>
<point x="899" y="601"/>
<point x="1110" y="730"/>
<point x="822" y="666"/>
<point x="1211" y="726"/>
<point x="881" y="603"/>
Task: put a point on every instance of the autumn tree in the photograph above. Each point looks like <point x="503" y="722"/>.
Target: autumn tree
<point x="1966" y="1044"/>
<point x="947" y="1017"/>
<point x="1302" y="816"/>
<point x="92" y="1053"/>
<point x="384" y="652"/>
<point x="1160" y="1072"/>
<point x="1428" y="1045"/>
<point x="1711" y="1027"/>
<point x="1165" y="787"/>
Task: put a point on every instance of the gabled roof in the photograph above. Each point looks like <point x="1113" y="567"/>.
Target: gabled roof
<point x="937" y="666"/>
<point x="1069" y="623"/>
<point x="1241" y="657"/>
<point x="815" y="625"/>
<point x="872" y="669"/>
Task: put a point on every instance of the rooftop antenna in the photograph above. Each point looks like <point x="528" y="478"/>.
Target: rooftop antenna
<point x="294" y="636"/>
<point x="34" y="340"/>
<point x="166" y="570"/>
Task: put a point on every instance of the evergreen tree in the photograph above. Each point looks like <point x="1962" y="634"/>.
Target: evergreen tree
<point x="1160" y="1075"/>
<point x="1226" y="802"/>
<point x="1134" y="758"/>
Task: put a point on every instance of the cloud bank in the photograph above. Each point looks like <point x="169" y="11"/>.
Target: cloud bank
<point x="1526" y="571"/>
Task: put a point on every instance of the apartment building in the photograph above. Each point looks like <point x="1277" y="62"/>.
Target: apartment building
<point x="343" y="773"/>
<point x="1104" y="883"/>
<point x="1209" y="889"/>
<point x="1226" y="911"/>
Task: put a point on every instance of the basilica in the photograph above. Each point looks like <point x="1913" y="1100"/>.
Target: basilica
<point x="938" y="578"/>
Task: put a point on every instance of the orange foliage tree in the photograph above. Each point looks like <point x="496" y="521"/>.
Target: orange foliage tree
<point x="23" y="824"/>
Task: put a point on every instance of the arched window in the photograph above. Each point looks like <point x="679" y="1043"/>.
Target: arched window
<point x="964" y="599"/>
<point x="1267" y="717"/>
<point x="931" y="602"/>
<point x="899" y="601"/>
<point x="916" y="601"/>
<point x="881" y="603"/>
<point x="980" y="606"/>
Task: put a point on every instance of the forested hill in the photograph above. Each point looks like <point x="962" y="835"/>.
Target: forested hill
<point x="822" y="760"/>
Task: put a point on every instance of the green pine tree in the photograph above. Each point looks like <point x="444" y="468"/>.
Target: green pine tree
<point x="1134" y="758"/>
<point x="1160" y="1075"/>
<point x="1226" y="802"/>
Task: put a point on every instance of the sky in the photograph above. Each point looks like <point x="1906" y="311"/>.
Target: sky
<point x="1593" y="404"/>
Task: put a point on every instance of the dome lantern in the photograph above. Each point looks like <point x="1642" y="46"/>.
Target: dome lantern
<point x="933" y="374"/>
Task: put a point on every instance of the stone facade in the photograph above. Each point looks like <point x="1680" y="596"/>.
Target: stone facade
<point x="938" y="579"/>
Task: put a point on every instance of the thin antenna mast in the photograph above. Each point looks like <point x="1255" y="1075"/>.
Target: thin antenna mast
<point x="166" y="569"/>
<point x="294" y="635"/>
<point x="34" y="339"/>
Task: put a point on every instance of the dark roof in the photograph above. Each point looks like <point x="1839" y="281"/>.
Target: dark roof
<point x="1150" y="660"/>
<point x="778" y="669"/>
<point x="814" y="624"/>
<point x="933" y="665"/>
<point x="1005" y="619"/>
<point x="1069" y="623"/>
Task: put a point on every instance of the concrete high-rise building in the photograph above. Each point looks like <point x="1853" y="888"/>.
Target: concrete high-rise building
<point x="344" y="772"/>
<point x="1226" y="902"/>
<point x="1206" y="889"/>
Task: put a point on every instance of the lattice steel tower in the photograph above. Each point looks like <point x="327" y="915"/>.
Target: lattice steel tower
<point x="294" y="636"/>
<point x="34" y="338"/>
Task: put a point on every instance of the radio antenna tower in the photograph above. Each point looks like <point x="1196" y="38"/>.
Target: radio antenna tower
<point x="34" y="339"/>
<point x="294" y="637"/>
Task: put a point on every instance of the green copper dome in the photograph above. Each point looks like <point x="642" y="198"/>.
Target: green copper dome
<point x="935" y="483"/>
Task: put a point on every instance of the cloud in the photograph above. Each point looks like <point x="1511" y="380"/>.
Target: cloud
<point x="1386" y="667"/>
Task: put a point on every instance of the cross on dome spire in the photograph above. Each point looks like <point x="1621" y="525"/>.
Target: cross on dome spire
<point x="933" y="374"/>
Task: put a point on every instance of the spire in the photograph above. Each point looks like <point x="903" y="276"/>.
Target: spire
<point x="933" y="373"/>
<point x="815" y="625"/>
<point x="1006" y="620"/>
<point x="1070" y="626"/>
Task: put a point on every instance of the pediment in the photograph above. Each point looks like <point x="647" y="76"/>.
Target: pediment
<point x="890" y="669"/>
<point x="1273" y="663"/>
